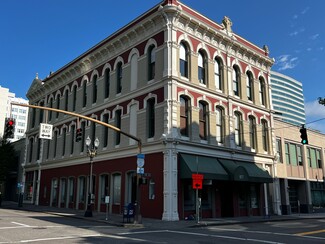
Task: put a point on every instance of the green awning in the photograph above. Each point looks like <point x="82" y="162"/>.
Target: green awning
<point x="209" y="167"/>
<point x="245" y="171"/>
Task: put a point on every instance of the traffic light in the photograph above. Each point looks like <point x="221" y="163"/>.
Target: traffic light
<point x="78" y="134"/>
<point x="9" y="128"/>
<point x="303" y="135"/>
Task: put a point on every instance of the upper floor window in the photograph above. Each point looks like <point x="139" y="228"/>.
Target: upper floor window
<point x="33" y="115"/>
<point x="220" y="124"/>
<point x="203" y="120"/>
<point x="66" y="100"/>
<point x="265" y="133"/>
<point x="314" y="158"/>
<point x="95" y="89"/>
<point x="183" y="60"/>
<point x="119" y="75"/>
<point x="252" y="131"/>
<point x="64" y="138"/>
<point x="184" y="116"/>
<point x="218" y="73"/>
<point x="58" y="98"/>
<point x="293" y="154"/>
<point x="279" y="149"/>
<point x="134" y="72"/>
<point x="74" y="98"/>
<point x="201" y="68"/>
<point x="118" y="114"/>
<point x="55" y="143"/>
<point x="84" y="89"/>
<point x="31" y="145"/>
<point x="262" y="91"/>
<point x="73" y="137"/>
<point x="238" y="129"/>
<point x="236" y="80"/>
<point x="249" y="86"/>
<point x="106" y="83"/>
<point x="105" y="128"/>
<point x="51" y="106"/>
<point x="151" y="117"/>
<point x="151" y="62"/>
<point x="41" y="112"/>
<point x="39" y="141"/>
<point x="82" y="142"/>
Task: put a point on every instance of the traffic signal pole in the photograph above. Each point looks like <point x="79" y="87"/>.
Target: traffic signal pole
<point x="138" y="218"/>
<point x="86" y="118"/>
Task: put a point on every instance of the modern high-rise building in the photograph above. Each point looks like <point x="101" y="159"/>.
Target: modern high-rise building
<point x="20" y="114"/>
<point x="195" y="94"/>
<point x="287" y="99"/>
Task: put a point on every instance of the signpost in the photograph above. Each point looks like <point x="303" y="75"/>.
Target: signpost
<point x="197" y="184"/>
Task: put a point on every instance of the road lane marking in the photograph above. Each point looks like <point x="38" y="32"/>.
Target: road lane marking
<point x="59" y="238"/>
<point x="16" y="223"/>
<point x="202" y="234"/>
<point x="310" y="232"/>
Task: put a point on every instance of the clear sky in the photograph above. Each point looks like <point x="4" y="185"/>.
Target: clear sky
<point x="39" y="36"/>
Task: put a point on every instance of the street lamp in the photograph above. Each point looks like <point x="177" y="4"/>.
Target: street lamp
<point x="91" y="152"/>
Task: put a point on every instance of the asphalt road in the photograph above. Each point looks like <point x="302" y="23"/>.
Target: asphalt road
<point x="37" y="227"/>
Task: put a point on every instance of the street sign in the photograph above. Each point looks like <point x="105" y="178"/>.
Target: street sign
<point x="140" y="170"/>
<point x="45" y="131"/>
<point x="140" y="160"/>
<point x="197" y="181"/>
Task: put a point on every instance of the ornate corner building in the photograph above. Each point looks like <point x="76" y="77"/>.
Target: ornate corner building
<point x="198" y="96"/>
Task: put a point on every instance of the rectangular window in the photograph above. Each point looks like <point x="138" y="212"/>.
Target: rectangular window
<point x="279" y="150"/>
<point x="71" y="190"/>
<point x="287" y="153"/>
<point x="82" y="189"/>
<point x="104" y="187"/>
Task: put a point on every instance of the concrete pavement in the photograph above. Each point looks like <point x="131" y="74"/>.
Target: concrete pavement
<point x="117" y="219"/>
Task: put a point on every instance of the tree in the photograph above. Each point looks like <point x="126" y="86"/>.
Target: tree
<point x="8" y="159"/>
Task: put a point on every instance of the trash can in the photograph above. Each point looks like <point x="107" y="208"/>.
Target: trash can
<point x="128" y="213"/>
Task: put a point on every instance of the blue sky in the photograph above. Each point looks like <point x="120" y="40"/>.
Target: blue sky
<point x="39" y="36"/>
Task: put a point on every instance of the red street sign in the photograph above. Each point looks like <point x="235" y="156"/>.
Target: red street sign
<point x="197" y="181"/>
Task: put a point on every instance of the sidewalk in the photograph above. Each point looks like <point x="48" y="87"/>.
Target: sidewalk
<point x="117" y="219"/>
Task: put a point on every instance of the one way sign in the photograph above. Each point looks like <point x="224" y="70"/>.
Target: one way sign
<point x="45" y="131"/>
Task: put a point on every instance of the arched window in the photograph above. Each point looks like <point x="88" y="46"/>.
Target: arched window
<point x="218" y="73"/>
<point x="249" y="86"/>
<point x="119" y="75"/>
<point x="201" y="68"/>
<point x="55" y="142"/>
<point x="74" y="98"/>
<point x="66" y="100"/>
<point x="73" y="136"/>
<point x="252" y="131"/>
<point x="220" y="124"/>
<point x="106" y="83"/>
<point x="58" y="98"/>
<point x="84" y="101"/>
<point x="183" y="60"/>
<point x="184" y="116"/>
<point x="134" y="72"/>
<point x="151" y="62"/>
<point x="31" y="145"/>
<point x="238" y="129"/>
<point x="265" y="135"/>
<point x="64" y="138"/>
<point x="262" y="91"/>
<point x="41" y="113"/>
<point x="82" y="142"/>
<point x="106" y="120"/>
<point x="95" y="89"/>
<point x="118" y="114"/>
<point x="51" y="106"/>
<point x="39" y="141"/>
<point x="203" y="120"/>
<point x="235" y="80"/>
<point x="151" y="117"/>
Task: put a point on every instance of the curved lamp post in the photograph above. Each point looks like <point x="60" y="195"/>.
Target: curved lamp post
<point x="91" y="152"/>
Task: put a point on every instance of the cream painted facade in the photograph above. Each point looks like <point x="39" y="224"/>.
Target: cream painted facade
<point x="299" y="169"/>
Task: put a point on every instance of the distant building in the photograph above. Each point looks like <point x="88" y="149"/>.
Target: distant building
<point x="17" y="112"/>
<point x="288" y="99"/>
